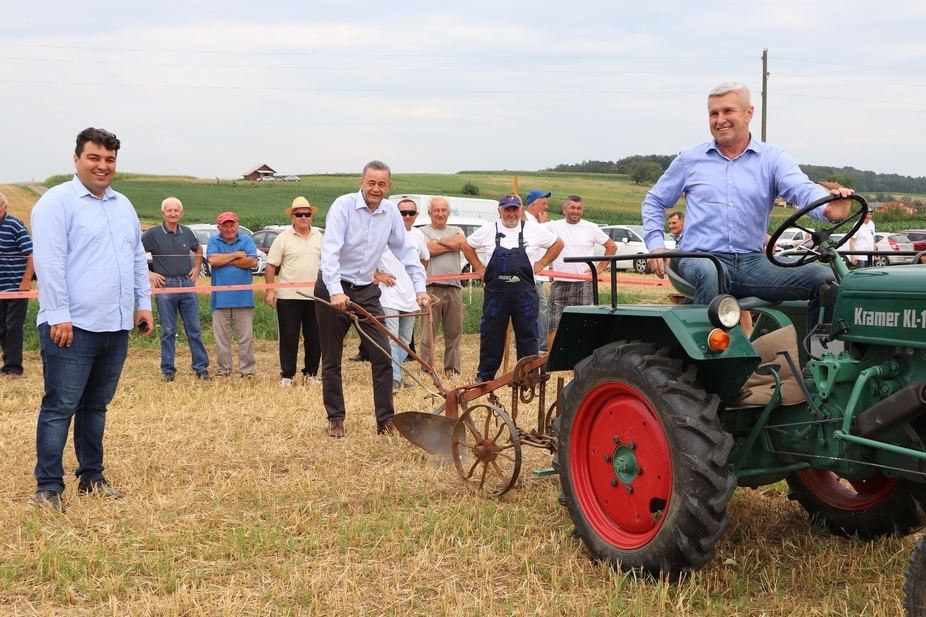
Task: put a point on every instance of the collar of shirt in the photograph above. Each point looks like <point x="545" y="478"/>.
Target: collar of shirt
<point x="83" y="191"/>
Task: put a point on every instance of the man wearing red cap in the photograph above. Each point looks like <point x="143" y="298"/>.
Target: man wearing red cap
<point x="231" y="257"/>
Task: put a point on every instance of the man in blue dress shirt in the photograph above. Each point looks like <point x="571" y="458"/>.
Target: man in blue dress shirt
<point x="93" y="288"/>
<point x="358" y="227"/>
<point x="730" y="184"/>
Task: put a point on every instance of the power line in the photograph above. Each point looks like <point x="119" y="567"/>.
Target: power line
<point x="372" y="55"/>
<point x="844" y="98"/>
<point x="857" y="66"/>
<point x="372" y="90"/>
<point x="856" y="81"/>
<point x="375" y="69"/>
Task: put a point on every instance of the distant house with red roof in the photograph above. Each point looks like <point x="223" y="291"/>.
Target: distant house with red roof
<point x="259" y="172"/>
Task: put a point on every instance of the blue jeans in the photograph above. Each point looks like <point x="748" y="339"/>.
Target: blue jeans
<point x="80" y="381"/>
<point x="752" y="274"/>
<point x="402" y="327"/>
<point x="187" y="305"/>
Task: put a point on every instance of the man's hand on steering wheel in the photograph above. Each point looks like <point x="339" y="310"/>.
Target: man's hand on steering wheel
<point x="839" y="209"/>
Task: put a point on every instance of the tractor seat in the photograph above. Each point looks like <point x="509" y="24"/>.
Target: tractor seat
<point x="687" y="289"/>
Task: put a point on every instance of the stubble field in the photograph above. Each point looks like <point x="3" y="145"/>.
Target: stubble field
<point x="237" y="503"/>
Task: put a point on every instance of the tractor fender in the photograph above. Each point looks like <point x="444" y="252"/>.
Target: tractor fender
<point x="682" y="328"/>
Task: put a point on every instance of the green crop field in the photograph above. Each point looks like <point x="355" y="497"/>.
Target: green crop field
<point x="609" y="199"/>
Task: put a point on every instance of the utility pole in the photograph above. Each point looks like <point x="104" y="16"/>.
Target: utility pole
<point x="764" y="89"/>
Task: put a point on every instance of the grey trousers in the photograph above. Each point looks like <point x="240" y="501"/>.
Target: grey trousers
<point x="448" y="312"/>
<point x="243" y="319"/>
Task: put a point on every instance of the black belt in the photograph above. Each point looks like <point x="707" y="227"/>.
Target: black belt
<point x="349" y="285"/>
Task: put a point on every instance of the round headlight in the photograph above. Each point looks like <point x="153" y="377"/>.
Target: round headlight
<point x="724" y="312"/>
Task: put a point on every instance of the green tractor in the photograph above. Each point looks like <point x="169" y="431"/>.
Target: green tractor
<point x="654" y="436"/>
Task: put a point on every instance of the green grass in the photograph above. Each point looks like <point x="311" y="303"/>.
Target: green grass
<point x="609" y="199"/>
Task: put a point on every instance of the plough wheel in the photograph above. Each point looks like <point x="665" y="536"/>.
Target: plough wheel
<point x="486" y="450"/>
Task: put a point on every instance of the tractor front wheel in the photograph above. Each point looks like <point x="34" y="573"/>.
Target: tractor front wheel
<point x="643" y="461"/>
<point x="870" y="508"/>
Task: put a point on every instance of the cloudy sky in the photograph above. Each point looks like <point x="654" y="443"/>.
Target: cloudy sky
<point x="213" y="88"/>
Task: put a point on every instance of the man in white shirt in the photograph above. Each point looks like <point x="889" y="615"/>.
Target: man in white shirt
<point x="863" y="240"/>
<point x="398" y="292"/>
<point x="536" y="210"/>
<point x="579" y="239"/>
<point x="509" y="282"/>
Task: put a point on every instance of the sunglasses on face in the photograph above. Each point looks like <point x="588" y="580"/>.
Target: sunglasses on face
<point x="303" y="215"/>
<point x="408" y="212"/>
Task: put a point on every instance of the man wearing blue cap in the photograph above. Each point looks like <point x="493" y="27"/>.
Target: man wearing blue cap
<point x="536" y="211"/>
<point x="509" y="281"/>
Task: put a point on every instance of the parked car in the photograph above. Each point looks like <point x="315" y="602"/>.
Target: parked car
<point x="265" y="237"/>
<point x="629" y="240"/>
<point x="204" y="231"/>
<point x="884" y="243"/>
<point x="917" y="237"/>
<point x="266" y="179"/>
<point x="792" y="237"/>
<point x="291" y="179"/>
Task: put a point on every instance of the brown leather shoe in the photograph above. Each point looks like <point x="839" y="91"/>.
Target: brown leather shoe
<point x="386" y="429"/>
<point x="336" y="429"/>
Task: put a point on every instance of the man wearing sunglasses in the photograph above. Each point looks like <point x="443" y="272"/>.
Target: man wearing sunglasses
<point x="295" y="253"/>
<point x="398" y="292"/>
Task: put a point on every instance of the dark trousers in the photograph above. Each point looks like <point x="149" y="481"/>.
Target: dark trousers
<point x="332" y="326"/>
<point x="12" y="318"/>
<point x="294" y="316"/>
<point x="497" y="307"/>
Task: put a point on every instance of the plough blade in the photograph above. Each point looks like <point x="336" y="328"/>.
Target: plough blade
<point x="432" y="433"/>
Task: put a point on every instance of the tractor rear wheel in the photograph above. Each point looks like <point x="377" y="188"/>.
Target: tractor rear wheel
<point x="915" y="585"/>
<point x="643" y="461"/>
<point x="876" y="506"/>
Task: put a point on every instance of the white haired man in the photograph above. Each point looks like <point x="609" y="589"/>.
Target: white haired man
<point x="730" y="184"/>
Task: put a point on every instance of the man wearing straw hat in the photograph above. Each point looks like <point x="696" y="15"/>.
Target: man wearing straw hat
<point x="295" y="254"/>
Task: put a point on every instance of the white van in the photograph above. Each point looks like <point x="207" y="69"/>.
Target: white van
<point x="470" y="208"/>
<point x="468" y="225"/>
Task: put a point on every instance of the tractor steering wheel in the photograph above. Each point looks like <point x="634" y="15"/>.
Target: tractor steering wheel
<point x="820" y="234"/>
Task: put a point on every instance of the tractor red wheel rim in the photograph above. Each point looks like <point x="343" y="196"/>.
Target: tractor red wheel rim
<point x="847" y="494"/>
<point x="615" y="427"/>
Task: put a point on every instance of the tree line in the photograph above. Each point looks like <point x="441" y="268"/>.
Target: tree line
<point x="646" y="169"/>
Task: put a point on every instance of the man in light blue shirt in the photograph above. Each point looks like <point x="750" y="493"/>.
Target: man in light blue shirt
<point x="730" y="184"/>
<point x="93" y="288"/>
<point x="358" y="227"/>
